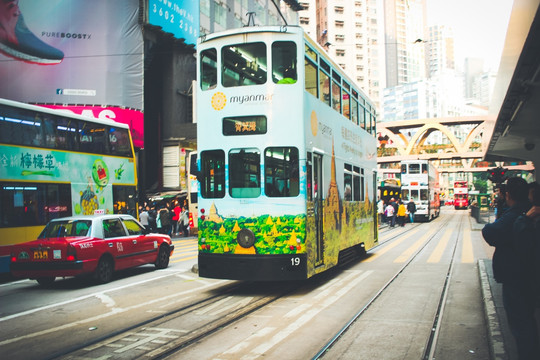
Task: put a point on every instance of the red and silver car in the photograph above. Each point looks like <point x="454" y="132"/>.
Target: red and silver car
<point x="97" y="244"/>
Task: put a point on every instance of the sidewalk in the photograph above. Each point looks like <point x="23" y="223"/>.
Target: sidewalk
<point x="501" y="341"/>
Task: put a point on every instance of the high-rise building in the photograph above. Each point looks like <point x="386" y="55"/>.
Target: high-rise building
<point x="350" y="32"/>
<point x="404" y="43"/>
<point x="440" y="54"/>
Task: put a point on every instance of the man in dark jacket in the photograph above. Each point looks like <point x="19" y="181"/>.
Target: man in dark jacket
<point x="508" y="269"/>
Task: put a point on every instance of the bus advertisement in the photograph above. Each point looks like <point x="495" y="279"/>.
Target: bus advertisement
<point x="55" y="164"/>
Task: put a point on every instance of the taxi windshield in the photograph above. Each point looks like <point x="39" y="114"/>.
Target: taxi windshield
<point x="56" y="229"/>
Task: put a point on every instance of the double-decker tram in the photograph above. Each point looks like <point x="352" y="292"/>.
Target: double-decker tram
<point x="287" y="157"/>
<point x="390" y="189"/>
<point x="55" y="164"/>
<point x="461" y="194"/>
<point x="420" y="183"/>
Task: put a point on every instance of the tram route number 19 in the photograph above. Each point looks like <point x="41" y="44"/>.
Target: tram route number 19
<point x="295" y="261"/>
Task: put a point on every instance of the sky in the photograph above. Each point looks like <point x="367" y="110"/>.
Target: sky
<point x="479" y="27"/>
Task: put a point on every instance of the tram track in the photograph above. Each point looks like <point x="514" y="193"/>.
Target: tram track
<point x="431" y="342"/>
<point x="196" y="323"/>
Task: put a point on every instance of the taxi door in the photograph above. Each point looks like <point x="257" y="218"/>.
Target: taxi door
<point x="118" y="243"/>
<point x="145" y="247"/>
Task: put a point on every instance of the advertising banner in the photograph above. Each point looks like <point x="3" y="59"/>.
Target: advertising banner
<point x="178" y="17"/>
<point x="77" y="52"/>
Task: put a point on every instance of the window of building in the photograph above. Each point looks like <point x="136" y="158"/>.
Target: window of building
<point x="338" y="9"/>
<point x="339" y="23"/>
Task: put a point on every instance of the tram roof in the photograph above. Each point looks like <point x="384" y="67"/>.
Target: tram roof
<point x="516" y="98"/>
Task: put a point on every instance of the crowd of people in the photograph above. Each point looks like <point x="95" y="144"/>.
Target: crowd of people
<point x="394" y="212"/>
<point x="167" y="218"/>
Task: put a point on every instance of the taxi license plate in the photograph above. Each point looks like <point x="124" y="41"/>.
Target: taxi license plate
<point x="41" y="254"/>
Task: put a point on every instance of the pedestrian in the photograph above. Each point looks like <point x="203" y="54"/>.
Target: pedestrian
<point x="401" y="213"/>
<point x="411" y="208"/>
<point x="152" y="218"/>
<point x="145" y="217"/>
<point x="380" y="211"/>
<point x="508" y="269"/>
<point x="164" y="220"/>
<point x="389" y="213"/>
<point x="184" y="221"/>
<point x="176" y="216"/>
<point x="394" y="203"/>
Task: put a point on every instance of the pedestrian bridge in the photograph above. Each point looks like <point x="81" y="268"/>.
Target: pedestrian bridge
<point x="465" y="141"/>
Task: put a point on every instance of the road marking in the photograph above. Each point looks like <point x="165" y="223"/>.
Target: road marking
<point x="412" y="249"/>
<point x="441" y="246"/>
<point x="390" y="246"/>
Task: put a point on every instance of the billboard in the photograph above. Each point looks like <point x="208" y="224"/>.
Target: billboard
<point x="178" y="17"/>
<point x="86" y="54"/>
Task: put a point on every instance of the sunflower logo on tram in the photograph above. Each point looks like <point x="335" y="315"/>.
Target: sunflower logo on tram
<point x="219" y="100"/>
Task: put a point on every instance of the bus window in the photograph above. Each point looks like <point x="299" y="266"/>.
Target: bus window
<point x="93" y="138"/>
<point x="212" y="174"/>
<point x="244" y="173"/>
<point x="119" y="141"/>
<point x="244" y="64"/>
<point x="311" y="78"/>
<point x="284" y="62"/>
<point x="324" y="87"/>
<point x="281" y="172"/>
<point x="414" y="168"/>
<point x="424" y="194"/>
<point x="208" y="69"/>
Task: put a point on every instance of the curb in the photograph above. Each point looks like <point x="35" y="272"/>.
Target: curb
<point x="495" y="337"/>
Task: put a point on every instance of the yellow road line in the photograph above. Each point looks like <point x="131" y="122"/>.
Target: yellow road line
<point x="441" y="246"/>
<point x="411" y="250"/>
<point x="390" y="246"/>
<point x="183" y="259"/>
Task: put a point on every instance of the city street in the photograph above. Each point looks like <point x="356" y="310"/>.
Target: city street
<point x="417" y="292"/>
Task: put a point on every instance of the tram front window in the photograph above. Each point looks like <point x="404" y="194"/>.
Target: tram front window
<point x="244" y="64"/>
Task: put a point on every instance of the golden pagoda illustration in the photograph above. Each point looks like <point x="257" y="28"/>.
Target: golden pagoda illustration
<point x="333" y="207"/>
<point x="213" y="214"/>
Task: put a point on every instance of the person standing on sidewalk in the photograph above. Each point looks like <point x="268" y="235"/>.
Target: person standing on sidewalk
<point x="508" y="269"/>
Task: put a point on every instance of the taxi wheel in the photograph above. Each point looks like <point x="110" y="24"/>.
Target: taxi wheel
<point x="162" y="260"/>
<point x="46" y="281"/>
<point x="104" y="270"/>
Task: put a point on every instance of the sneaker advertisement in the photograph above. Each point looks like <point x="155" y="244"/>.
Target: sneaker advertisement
<point x="88" y="53"/>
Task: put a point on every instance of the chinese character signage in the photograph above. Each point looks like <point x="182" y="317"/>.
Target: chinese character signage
<point x="178" y="17"/>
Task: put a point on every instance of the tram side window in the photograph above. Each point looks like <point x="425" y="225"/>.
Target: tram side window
<point x="354" y="111"/>
<point x="281" y="170"/>
<point x="244" y="64"/>
<point x="311" y="78"/>
<point x="212" y="180"/>
<point x="424" y="194"/>
<point x="336" y="96"/>
<point x="403" y="168"/>
<point x="244" y="173"/>
<point x="324" y="87"/>
<point x="208" y="69"/>
<point x="362" y="117"/>
<point x="347" y="183"/>
<point x="405" y="194"/>
<point x="424" y="169"/>
<point x="284" y="62"/>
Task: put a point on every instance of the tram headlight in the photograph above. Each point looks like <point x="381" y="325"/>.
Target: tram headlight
<point x="245" y="238"/>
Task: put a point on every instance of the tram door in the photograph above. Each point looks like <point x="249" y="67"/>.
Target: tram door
<point x="318" y="201"/>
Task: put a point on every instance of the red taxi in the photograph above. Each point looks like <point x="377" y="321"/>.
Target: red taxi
<point x="96" y="244"/>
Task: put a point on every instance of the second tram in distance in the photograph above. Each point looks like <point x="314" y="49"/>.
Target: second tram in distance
<point x="287" y="157"/>
<point x="420" y="182"/>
